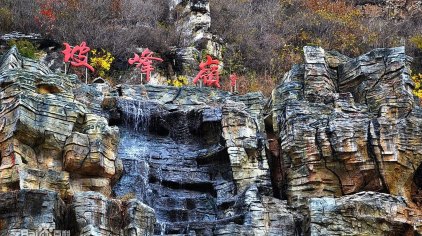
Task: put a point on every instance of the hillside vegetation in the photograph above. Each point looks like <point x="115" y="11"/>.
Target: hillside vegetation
<point x="262" y="38"/>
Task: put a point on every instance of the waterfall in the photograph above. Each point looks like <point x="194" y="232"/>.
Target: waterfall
<point x="136" y="114"/>
<point x="134" y="149"/>
<point x="162" y="228"/>
<point x="161" y="169"/>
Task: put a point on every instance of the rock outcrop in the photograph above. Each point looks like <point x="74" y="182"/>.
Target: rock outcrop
<point x="193" y="23"/>
<point x="49" y="140"/>
<point x="54" y="149"/>
<point x="201" y="153"/>
<point x="366" y="213"/>
<point x="346" y="128"/>
<point x="337" y="150"/>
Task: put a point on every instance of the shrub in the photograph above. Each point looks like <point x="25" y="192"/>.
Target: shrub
<point x="26" y="48"/>
<point x="417" y="41"/>
<point x="270" y="41"/>
<point x="417" y="79"/>
<point x="101" y="61"/>
<point x="179" y="81"/>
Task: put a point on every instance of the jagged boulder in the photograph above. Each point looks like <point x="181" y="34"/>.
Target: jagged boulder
<point x="347" y="126"/>
<point x="47" y="139"/>
<point x="366" y="213"/>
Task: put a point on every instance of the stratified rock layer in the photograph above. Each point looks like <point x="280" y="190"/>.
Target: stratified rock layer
<point x="30" y="211"/>
<point x="94" y="214"/>
<point x="366" y="213"/>
<point x="194" y="154"/>
<point x="48" y="140"/>
<point x="52" y="148"/>
<point x="347" y="126"/>
<point x="336" y="151"/>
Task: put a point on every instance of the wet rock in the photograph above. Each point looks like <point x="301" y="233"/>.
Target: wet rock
<point x="201" y="150"/>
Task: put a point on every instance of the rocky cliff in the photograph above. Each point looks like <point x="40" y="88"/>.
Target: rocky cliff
<point x="335" y="151"/>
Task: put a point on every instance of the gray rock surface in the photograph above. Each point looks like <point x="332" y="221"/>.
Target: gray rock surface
<point x="30" y="211"/>
<point x="201" y="150"/>
<point x="94" y="214"/>
<point x="347" y="126"/>
<point x="335" y="151"/>
<point x="366" y="213"/>
<point x="53" y="147"/>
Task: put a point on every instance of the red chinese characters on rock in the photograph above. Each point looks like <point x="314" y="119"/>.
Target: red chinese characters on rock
<point x="209" y="73"/>
<point x="77" y="55"/>
<point x="144" y="62"/>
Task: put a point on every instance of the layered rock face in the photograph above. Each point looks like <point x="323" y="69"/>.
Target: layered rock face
<point x="335" y="151"/>
<point x="346" y="126"/>
<point x="194" y="22"/>
<point x="196" y="155"/>
<point x="52" y="148"/>
<point x="365" y="213"/>
<point x="48" y="140"/>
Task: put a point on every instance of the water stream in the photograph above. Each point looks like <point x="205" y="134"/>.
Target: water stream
<point x="165" y="173"/>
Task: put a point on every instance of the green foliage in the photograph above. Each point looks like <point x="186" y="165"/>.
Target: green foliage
<point x="180" y="81"/>
<point x="101" y="61"/>
<point x="26" y="48"/>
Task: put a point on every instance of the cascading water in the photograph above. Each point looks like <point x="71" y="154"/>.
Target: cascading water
<point x="132" y="149"/>
<point x="136" y="114"/>
<point x="161" y="168"/>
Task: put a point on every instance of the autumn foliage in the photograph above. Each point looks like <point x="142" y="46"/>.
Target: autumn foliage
<point x="265" y="38"/>
<point x="262" y="38"/>
<point x="101" y="60"/>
